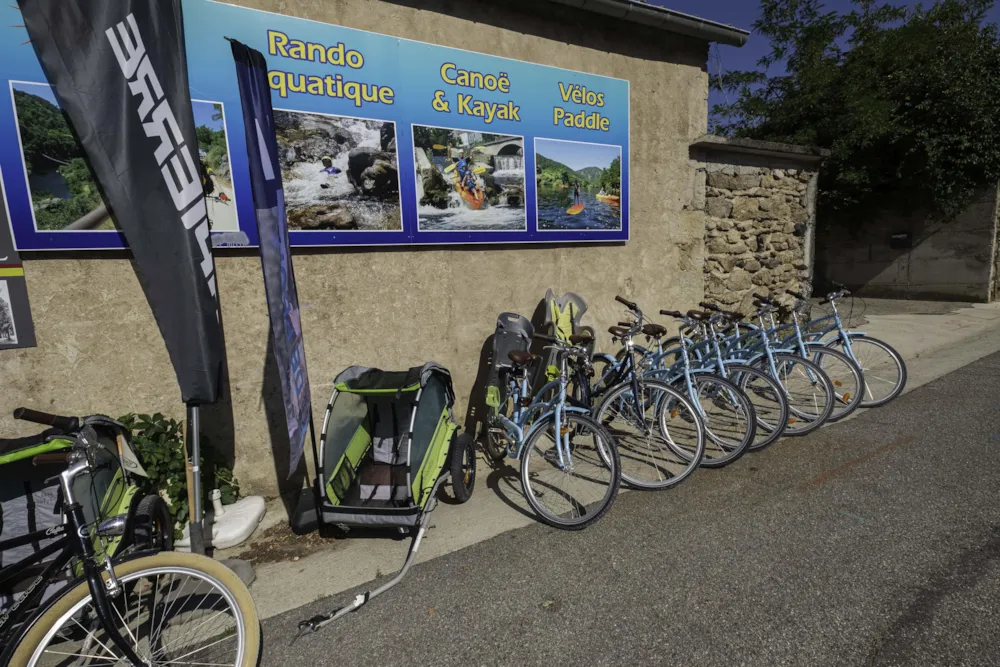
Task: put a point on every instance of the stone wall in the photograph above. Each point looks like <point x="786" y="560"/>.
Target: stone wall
<point x="760" y="217"/>
<point x="99" y="349"/>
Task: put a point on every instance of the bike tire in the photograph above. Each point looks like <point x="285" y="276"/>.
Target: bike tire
<point x="873" y="375"/>
<point x="58" y="612"/>
<point x="772" y="406"/>
<point x="673" y="462"/>
<point x="719" y="451"/>
<point x="846" y="376"/>
<point x="801" y="422"/>
<point x="605" y="451"/>
<point x="462" y="465"/>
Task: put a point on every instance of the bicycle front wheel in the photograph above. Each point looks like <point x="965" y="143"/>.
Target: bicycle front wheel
<point x="768" y="400"/>
<point x="883" y="369"/>
<point x="660" y="437"/>
<point x="729" y="418"/>
<point x="173" y="609"/>
<point x="808" y="391"/>
<point x="573" y="484"/>
<point x="845" y="375"/>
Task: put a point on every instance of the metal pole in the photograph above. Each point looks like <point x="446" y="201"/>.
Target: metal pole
<point x="193" y="446"/>
<point x="317" y="491"/>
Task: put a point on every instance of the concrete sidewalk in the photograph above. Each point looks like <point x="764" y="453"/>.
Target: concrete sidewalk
<point x="934" y="338"/>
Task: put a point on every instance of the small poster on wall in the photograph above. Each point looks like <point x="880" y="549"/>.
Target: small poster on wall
<point x="16" y="328"/>
<point x="381" y="140"/>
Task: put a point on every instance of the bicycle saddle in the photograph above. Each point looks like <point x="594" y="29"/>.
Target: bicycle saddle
<point x="698" y="315"/>
<point x="520" y="357"/>
<point x="618" y="332"/>
<point x="654" y="330"/>
<point x="576" y="339"/>
<point x="733" y="315"/>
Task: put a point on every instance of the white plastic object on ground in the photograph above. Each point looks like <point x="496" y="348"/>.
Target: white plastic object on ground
<point x="232" y="527"/>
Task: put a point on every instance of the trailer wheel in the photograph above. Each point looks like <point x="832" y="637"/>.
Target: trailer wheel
<point x="152" y="525"/>
<point x="462" y="461"/>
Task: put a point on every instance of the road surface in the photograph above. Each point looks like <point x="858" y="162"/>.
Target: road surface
<point x="872" y="542"/>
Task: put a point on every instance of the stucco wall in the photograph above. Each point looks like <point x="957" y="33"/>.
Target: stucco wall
<point x="99" y="349"/>
<point x="952" y="260"/>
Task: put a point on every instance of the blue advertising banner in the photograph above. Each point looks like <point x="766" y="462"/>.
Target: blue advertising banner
<point x="381" y="141"/>
<point x="275" y="253"/>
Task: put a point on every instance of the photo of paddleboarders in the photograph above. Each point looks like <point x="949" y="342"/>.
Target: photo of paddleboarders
<point x="578" y="184"/>
<point x="64" y="193"/>
<point x="339" y="173"/>
<point x="468" y="181"/>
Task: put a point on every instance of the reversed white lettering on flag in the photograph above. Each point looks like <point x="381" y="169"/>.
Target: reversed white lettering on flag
<point x="174" y="156"/>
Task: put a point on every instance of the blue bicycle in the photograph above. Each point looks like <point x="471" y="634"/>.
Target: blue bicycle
<point x="883" y="368"/>
<point x="570" y="466"/>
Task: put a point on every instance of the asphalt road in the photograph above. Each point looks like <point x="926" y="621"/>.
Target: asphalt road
<point x="873" y="542"/>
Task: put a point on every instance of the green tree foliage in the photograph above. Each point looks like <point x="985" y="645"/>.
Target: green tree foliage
<point x="45" y="134"/>
<point x="611" y="178"/>
<point x="904" y="98"/>
<point x="551" y="173"/>
<point x="213" y="142"/>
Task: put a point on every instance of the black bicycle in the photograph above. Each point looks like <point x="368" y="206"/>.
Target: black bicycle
<point x="144" y="609"/>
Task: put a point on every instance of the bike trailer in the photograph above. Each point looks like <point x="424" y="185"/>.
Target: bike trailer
<point x="384" y="448"/>
<point x="389" y="441"/>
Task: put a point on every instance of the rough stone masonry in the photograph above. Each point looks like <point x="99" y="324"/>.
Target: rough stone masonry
<point x="759" y="220"/>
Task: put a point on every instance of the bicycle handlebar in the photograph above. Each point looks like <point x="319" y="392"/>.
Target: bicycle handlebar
<point x="53" y="457"/>
<point x="629" y="304"/>
<point x="710" y="306"/>
<point x="546" y="338"/>
<point x="797" y="295"/>
<point x="672" y="313"/>
<point x="46" y="419"/>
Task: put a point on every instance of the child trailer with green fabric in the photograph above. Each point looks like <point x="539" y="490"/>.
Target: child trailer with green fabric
<point x="389" y="442"/>
<point x="29" y="496"/>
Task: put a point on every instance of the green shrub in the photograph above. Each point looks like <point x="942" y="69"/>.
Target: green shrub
<point x="158" y="441"/>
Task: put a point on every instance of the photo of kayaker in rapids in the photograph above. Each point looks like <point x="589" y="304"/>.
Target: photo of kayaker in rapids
<point x="468" y="180"/>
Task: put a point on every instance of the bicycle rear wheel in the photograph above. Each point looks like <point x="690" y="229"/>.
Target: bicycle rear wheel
<point x="174" y="609"/>
<point x="845" y="375"/>
<point x="768" y="400"/>
<point x="660" y="437"/>
<point x="570" y="494"/>
<point x="883" y="369"/>
<point x="808" y="391"/>
<point x="729" y="418"/>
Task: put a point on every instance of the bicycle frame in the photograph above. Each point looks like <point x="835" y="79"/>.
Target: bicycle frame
<point x="837" y="325"/>
<point x="536" y="412"/>
<point x="73" y="540"/>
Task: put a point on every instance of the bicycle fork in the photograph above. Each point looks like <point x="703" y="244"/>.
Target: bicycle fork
<point x="99" y="592"/>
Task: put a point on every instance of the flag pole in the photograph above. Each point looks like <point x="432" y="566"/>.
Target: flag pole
<point x="192" y="452"/>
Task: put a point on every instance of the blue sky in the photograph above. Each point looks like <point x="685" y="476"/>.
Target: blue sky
<point x="742" y="13"/>
<point x="202" y="110"/>
<point x="577" y="156"/>
<point x="203" y="115"/>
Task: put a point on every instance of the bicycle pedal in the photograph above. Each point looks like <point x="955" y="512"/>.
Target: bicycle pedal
<point x="838" y="383"/>
<point x="792" y="420"/>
